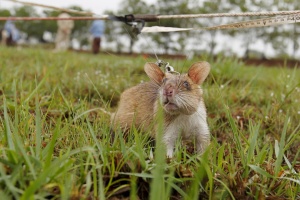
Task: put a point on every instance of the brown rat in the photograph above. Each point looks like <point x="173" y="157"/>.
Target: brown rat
<point x="180" y="96"/>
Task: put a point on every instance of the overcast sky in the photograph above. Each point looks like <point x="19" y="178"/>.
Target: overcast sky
<point x="96" y="6"/>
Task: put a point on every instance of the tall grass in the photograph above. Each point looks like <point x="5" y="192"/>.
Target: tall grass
<point x="57" y="144"/>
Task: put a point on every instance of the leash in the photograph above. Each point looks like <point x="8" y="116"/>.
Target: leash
<point x="288" y="19"/>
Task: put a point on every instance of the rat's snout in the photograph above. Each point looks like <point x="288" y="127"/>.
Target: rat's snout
<point x="168" y="91"/>
<point x="168" y="99"/>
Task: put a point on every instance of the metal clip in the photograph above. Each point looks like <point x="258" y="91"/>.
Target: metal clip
<point x="159" y="63"/>
<point x="136" y="24"/>
<point x="167" y="66"/>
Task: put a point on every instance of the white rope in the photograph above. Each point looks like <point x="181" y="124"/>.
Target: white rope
<point x="99" y="17"/>
<point x="182" y="16"/>
<point x="245" y="14"/>
<point x="53" y="7"/>
<point x="287" y="19"/>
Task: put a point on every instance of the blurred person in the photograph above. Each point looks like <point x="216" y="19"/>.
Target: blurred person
<point x="10" y="34"/>
<point x="97" y="30"/>
<point x="62" y="40"/>
<point x="3" y="35"/>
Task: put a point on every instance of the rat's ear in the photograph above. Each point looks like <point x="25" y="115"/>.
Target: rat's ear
<point x="199" y="71"/>
<point x="154" y="72"/>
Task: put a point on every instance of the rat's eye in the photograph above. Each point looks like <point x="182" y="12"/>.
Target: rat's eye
<point x="186" y="85"/>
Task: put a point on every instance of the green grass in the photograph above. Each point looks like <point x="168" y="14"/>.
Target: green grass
<point x="56" y="143"/>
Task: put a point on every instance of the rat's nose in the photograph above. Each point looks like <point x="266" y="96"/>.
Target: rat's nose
<point x="168" y="91"/>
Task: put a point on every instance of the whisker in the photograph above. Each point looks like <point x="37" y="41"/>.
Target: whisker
<point x="182" y="102"/>
<point x="185" y="101"/>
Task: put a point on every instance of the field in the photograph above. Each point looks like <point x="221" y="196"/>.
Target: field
<point x="56" y="143"/>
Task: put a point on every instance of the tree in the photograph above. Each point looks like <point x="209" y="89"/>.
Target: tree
<point x="276" y="36"/>
<point x="285" y="34"/>
<point x="80" y="30"/>
<point x="50" y="25"/>
<point x="81" y="27"/>
<point x="113" y="33"/>
<point x="120" y="29"/>
<point x="36" y="28"/>
<point x="4" y="13"/>
<point x="210" y="37"/>
<point x="171" y="42"/>
<point x="174" y="41"/>
<point x="205" y="40"/>
<point x="31" y="28"/>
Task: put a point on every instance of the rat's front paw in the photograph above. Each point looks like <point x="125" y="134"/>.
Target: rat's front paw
<point x="170" y="153"/>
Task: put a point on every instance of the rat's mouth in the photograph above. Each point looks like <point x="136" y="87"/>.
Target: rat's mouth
<point x="168" y="105"/>
<point x="167" y="101"/>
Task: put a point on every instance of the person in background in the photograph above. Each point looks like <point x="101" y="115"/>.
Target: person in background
<point x="97" y="30"/>
<point x="62" y="40"/>
<point x="3" y="35"/>
<point x="10" y="33"/>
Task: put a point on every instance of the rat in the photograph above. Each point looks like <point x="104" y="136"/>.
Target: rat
<point x="181" y="99"/>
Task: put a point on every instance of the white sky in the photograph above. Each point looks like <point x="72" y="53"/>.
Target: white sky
<point x="96" y="6"/>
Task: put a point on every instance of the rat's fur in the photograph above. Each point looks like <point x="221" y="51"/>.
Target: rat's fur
<point x="181" y="99"/>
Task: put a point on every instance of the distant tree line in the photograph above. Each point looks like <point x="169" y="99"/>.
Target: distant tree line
<point x="36" y="28"/>
<point x="278" y="37"/>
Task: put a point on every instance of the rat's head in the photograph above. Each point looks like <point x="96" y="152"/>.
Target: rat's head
<point x="179" y="93"/>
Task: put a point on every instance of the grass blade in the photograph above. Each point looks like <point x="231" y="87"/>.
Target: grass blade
<point x="38" y="129"/>
<point x="158" y="182"/>
<point x="260" y="171"/>
<point x="279" y="148"/>
<point x="8" y="133"/>
<point x="57" y="167"/>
